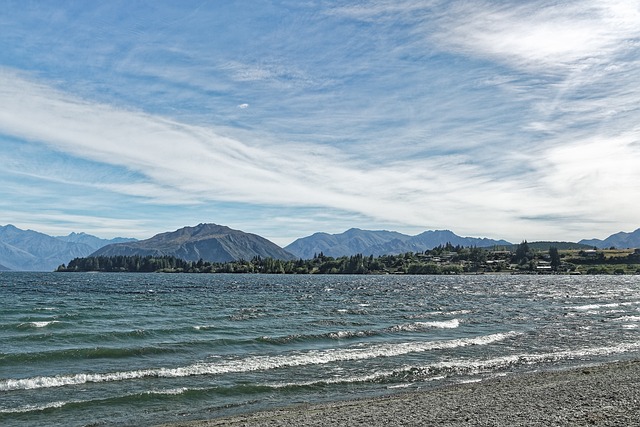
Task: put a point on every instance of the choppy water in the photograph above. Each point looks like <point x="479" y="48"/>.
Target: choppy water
<point x="142" y="349"/>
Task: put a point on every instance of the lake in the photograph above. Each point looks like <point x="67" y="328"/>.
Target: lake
<point x="144" y="349"/>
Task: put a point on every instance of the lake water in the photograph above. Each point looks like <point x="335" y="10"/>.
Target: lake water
<point x="143" y="349"/>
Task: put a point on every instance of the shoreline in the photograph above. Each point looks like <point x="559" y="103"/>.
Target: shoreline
<point x="601" y="395"/>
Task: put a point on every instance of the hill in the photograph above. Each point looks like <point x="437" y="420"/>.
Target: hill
<point x="617" y="240"/>
<point x="356" y="241"/>
<point x="209" y="242"/>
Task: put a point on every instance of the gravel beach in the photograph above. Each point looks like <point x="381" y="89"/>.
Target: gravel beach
<point x="605" y="395"/>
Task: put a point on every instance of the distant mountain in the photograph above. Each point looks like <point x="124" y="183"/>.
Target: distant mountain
<point x="3" y="268"/>
<point x="350" y="242"/>
<point x="92" y="241"/>
<point x="377" y="243"/>
<point x="28" y="250"/>
<point x="618" y="240"/>
<point x="209" y="242"/>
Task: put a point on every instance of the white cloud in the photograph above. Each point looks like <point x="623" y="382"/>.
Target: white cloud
<point x="599" y="173"/>
<point x="189" y="164"/>
<point x="541" y="35"/>
<point x="203" y="166"/>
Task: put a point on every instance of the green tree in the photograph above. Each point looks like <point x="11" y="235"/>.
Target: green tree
<point x="522" y="253"/>
<point x="555" y="257"/>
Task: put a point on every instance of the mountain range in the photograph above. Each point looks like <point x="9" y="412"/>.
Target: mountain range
<point x="618" y="240"/>
<point x="377" y="243"/>
<point x="28" y="250"/>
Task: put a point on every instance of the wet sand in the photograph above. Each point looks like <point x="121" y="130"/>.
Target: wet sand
<point x="605" y="395"/>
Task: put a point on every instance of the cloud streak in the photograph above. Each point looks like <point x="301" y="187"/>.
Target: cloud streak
<point x="200" y="165"/>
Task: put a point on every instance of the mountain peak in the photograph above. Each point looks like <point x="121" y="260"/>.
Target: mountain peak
<point x="209" y="242"/>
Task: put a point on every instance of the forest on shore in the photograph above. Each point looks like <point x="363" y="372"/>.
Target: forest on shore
<point x="444" y="259"/>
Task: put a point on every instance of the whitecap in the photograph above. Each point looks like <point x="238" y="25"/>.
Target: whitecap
<point x="171" y="391"/>
<point x="203" y="327"/>
<point x="40" y="324"/>
<point x="257" y="363"/>
<point x="34" y="408"/>
<point x="419" y="326"/>
<point x="628" y="319"/>
<point x="590" y="307"/>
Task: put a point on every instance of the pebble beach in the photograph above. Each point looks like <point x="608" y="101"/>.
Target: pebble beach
<point x="604" y="395"/>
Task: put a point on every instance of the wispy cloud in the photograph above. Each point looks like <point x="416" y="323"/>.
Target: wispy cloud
<point x="183" y="159"/>
<point x="542" y="35"/>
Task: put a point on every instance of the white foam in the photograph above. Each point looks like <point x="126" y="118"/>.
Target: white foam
<point x="346" y="334"/>
<point x="256" y="363"/>
<point x="533" y="358"/>
<point x="34" y="408"/>
<point x="445" y="324"/>
<point x="203" y="327"/>
<point x="418" y="326"/>
<point x="440" y="313"/>
<point x="464" y="366"/>
<point x="171" y="391"/>
<point x="60" y="404"/>
<point x="337" y="380"/>
<point x="591" y="307"/>
<point x="457" y="312"/>
<point x="628" y="319"/>
<point x="42" y="324"/>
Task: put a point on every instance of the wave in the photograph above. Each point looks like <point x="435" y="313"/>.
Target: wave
<point x="37" y="408"/>
<point x="395" y="378"/>
<point x="439" y="313"/>
<point x="38" y="324"/>
<point x="334" y="335"/>
<point x="87" y="353"/>
<point x="628" y="319"/>
<point x="256" y="363"/>
<point x="591" y="307"/>
<point x="117" y="335"/>
<point x="419" y="326"/>
<point x="445" y="369"/>
<point x="347" y="334"/>
<point x="90" y="402"/>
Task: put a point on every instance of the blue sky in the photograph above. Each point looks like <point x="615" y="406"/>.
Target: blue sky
<point x="504" y="119"/>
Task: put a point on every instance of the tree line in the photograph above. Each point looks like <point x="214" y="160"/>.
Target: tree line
<point x="444" y="259"/>
<point x="405" y="263"/>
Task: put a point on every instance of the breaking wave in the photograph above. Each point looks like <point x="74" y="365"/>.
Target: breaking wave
<point x="256" y="363"/>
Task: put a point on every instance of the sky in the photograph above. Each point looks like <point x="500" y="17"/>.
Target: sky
<point x="504" y="119"/>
